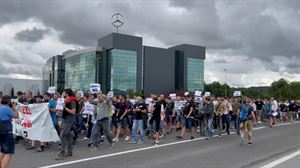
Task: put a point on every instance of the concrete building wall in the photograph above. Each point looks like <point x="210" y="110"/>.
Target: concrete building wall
<point x="159" y="71"/>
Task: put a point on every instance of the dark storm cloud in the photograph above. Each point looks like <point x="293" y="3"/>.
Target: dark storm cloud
<point x="258" y="30"/>
<point x="31" y="35"/>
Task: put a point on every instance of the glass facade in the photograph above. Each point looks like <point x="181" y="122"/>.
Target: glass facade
<point x="123" y="69"/>
<point x="80" y="71"/>
<point x="195" y="74"/>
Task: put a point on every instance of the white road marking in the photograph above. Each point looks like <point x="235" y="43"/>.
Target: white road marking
<point x="141" y="149"/>
<point x="281" y="160"/>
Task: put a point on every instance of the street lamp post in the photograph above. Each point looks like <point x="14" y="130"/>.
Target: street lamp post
<point x="225" y="71"/>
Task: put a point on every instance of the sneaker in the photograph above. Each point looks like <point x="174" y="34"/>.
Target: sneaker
<point x="156" y="143"/>
<point x="192" y="137"/>
<point x="220" y="135"/>
<point x="242" y="141"/>
<point x="63" y="155"/>
<point x="40" y="149"/>
<point x="112" y="144"/>
<point x="30" y="148"/>
<point x="140" y="142"/>
<point x="115" y="140"/>
<point x="93" y="149"/>
<point x="132" y="142"/>
<point x="207" y="138"/>
<point x="101" y="141"/>
<point x="127" y="138"/>
<point x="179" y="137"/>
<point x="85" y="138"/>
<point x="249" y="143"/>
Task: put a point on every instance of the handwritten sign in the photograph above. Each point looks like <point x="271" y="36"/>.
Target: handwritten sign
<point x="59" y="104"/>
<point x="237" y="93"/>
<point x="95" y="88"/>
<point x="198" y="93"/>
<point x="51" y="90"/>
<point x="173" y="96"/>
<point x="89" y="109"/>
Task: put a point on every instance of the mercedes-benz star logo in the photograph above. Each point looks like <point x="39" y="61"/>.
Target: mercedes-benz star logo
<point x="117" y="20"/>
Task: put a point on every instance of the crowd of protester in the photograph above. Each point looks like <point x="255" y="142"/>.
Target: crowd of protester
<point x="134" y="118"/>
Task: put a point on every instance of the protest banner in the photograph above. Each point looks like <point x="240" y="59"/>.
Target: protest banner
<point x="95" y="88"/>
<point x="52" y="90"/>
<point x="59" y="104"/>
<point x="35" y="123"/>
<point x="198" y="99"/>
<point x="173" y="96"/>
<point x="237" y="93"/>
<point x="89" y="109"/>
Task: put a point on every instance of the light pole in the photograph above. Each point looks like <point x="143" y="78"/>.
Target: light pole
<point x="27" y="73"/>
<point x="225" y="71"/>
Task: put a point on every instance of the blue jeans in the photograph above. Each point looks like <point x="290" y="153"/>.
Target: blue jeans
<point x="209" y="121"/>
<point x="138" y="124"/>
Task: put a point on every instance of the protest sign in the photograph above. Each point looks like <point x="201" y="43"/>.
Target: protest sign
<point x="186" y="93"/>
<point x="237" y="93"/>
<point x="81" y="93"/>
<point x="148" y="100"/>
<point x="59" y="104"/>
<point x="110" y="94"/>
<point x="198" y="99"/>
<point x="51" y="90"/>
<point x="198" y="93"/>
<point x="95" y="88"/>
<point x="206" y="94"/>
<point x="89" y="109"/>
<point x="173" y="96"/>
<point x="35" y="123"/>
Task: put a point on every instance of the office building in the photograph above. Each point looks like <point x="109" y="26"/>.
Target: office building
<point x="120" y="63"/>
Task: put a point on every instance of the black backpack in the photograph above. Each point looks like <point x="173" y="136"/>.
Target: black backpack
<point x="3" y="129"/>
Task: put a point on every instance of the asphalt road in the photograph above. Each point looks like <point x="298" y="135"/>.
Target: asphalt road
<point x="224" y="152"/>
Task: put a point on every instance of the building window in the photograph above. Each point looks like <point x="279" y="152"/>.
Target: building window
<point x="123" y="69"/>
<point x="80" y="71"/>
<point x="195" y="74"/>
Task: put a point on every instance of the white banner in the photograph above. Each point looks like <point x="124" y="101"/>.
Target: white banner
<point x="89" y="109"/>
<point x="95" y="88"/>
<point x="148" y="100"/>
<point x="35" y="123"/>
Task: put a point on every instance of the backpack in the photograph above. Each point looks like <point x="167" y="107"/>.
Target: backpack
<point x="3" y="129"/>
<point x="244" y="112"/>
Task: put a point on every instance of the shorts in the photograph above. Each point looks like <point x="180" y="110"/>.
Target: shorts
<point x="156" y="123"/>
<point x="259" y="113"/>
<point x="246" y="125"/>
<point x="123" y="122"/>
<point x="189" y="123"/>
<point x="7" y="144"/>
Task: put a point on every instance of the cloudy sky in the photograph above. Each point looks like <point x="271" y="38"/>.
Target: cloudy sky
<point x="257" y="41"/>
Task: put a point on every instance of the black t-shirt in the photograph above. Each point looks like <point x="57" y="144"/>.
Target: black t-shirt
<point x="157" y="110"/>
<point x="283" y="107"/>
<point x="188" y="107"/>
<point x="292" y="107"/>
<point x="66" y="115"/>
<point x="259" y="105"/>
<point x="169" y="108"/>
<point x="122" y="108"/>
<point x="138" y="115"/>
